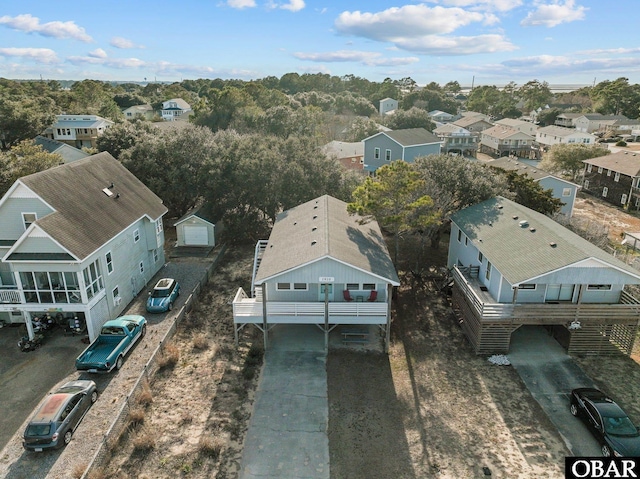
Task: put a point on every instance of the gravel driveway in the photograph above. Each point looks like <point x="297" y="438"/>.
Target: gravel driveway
<point x="16" y="463"/>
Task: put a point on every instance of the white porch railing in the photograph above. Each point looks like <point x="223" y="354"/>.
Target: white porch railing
<point x="11" y="296"/>
<point x="249" y="310"/>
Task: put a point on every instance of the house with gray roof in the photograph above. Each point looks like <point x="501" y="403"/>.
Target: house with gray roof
<point x="547" y="136"/>
<point x="144" y="112"/>
<point x="174" y="109"/>
<point x="387" y="146"/>
<point x="501" y="140"/>
<point x="591" y="122"/>
<point x="560" y="188"/>
<point x="67" y="152"/>
<point x="81" y="240"/>
<point x="513" y="266"/>
<point x="476" y="123"/>
<point x="614" y="178"/>
<point x="79" y="131"/>
<point x="456" y="140"/>
<point x="321" y="266"/>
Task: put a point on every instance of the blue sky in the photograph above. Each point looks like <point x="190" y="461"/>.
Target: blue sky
<point x="485" y="41"/>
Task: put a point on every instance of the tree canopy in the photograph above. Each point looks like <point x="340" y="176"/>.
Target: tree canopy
<point x="567" y="160"/>
<point x="24" y="158"/>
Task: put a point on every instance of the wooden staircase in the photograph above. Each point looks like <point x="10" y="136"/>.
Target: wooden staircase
<point x="261" y="245"/>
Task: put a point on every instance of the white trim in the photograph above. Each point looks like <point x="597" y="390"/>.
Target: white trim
<point x="26" y="235"/>
<point x="577" y="264"/>
<point x="194" y="215"/>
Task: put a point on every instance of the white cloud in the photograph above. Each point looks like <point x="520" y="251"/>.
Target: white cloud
<point x="98" y="53"/>
<point x="555" y="13"/>
<point x="405" y="22"/>
<point x="40" y="55"/>
<point x="440" y="45"/>
<point x="365" y="58"/>
<point x="491" y="5"/>
<point x="123" y="43"/>
<point x="610" y="51"/>
<point x="240" y="4"/>
<point x="119" y="63"/>
<point x="293" y="5"/>
<point x="30" y="24"/>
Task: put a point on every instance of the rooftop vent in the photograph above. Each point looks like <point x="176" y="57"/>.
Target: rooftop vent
<point x="524" y="224"/>
<point x="532" y="229"/>
<point x="500" y="207"/>
<point x="552" y="244"/>
<point x="313" y="242"/>
<point x="107" y="192"/>
<point x="314" y="228"/>
<point x="315" y="216"/>
<point x="515" y="217"/>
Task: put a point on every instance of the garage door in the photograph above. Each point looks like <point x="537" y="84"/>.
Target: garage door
<point x="196" y="236"/>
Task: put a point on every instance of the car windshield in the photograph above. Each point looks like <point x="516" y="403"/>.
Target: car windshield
<point x="38" y="430"/>
<point x="107" y="330"/>
<point x="161" y="293"/>
<point x="619" y="426"/>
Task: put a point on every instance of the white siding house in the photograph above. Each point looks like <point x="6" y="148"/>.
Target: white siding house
<point x="81" y="239"/>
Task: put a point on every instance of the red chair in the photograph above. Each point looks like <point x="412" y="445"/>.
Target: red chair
<point x="347" y="295"/>
<point x="373" y="296"/>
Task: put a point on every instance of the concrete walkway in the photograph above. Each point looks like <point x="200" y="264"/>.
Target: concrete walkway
<point x="550" y="374"/>
<point x="287" y="436"/>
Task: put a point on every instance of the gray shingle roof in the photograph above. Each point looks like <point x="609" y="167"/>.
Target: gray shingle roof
<point x="520" y="254"/>
<point x="509" y="164"/>
<point x="85" y="217"/>
<point x="322" y="228"/>
<point x="626" y="163"/>
<point x="412" y="136"/>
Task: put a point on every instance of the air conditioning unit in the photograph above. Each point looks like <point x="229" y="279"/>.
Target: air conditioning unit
<point x="117" y="301"/>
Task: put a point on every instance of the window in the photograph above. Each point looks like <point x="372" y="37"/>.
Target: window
<point x="599" y="287"/>
<point x="28" y="218"/>
<point x="608" y="172"/>
<point x="116" y="296"/>
<point x="368" y="286"/>
<point x="292" y="287"/>
<point x="361" y="286"/>
<point x="605" y="191"/>
<point x="136" y="236"/>
<point x="155" y="255"/>
<point x="623" y="199"/>
<point x="488" y="273"/>
<point x="387" y="155"/>
<point x="159" y="226"/>
<point x="141" y="265"/>
<point x="616" y="177"/>
<point x="93" y="279"/>
<point x="566" y="191"/>
<point x="109" y="261"/>
<point x="599" y="169"/>
<point x="466" y="240"/>
<point x="589" y="168"/>
<point x="480" y="256"/>
<point x="376" y="153"/>
<point x="50" y="287"/>
<point x="459" y="236"/>
<point x="586" y="184"/>
<point x="526" y="286"/>
<point x="353" y="286"/>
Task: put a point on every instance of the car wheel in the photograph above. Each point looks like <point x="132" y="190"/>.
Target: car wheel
<point x="170" y="307"/>
<point x="144" y="331"/>
<point x="67" y="437"/>
<point x="119" y="362"/>
<point x="94" y="396"/>
<point x="574" y="409"/>
<point x="606" y="450"/>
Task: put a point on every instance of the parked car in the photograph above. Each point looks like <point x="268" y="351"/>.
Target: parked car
<point x="116" y="338"/>
<point x="610" y="425"/>
<point x="163" y="296"/>
<point x="59" y="415"/>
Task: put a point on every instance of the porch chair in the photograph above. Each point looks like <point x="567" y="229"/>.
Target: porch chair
<point x="347" y="295"/>
<point x="373" y="296"/>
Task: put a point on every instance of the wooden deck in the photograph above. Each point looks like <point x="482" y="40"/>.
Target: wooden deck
<point x="603" y="328"/>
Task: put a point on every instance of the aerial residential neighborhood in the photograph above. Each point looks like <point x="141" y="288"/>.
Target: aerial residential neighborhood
<point x="282" y="240"/>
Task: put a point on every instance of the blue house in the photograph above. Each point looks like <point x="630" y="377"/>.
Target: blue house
<point x="560" y="188"/>
<point x="386" y="146"/>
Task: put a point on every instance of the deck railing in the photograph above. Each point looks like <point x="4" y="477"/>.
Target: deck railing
<point x="10" y="296"/>
<point x="628" y="309"/>
<point x="246" y="309"/>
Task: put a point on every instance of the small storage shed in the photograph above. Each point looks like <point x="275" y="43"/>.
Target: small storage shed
<point x="195" y="228"/>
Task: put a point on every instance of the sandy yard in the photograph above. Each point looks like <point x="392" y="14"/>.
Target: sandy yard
<point x="431" y="408"/>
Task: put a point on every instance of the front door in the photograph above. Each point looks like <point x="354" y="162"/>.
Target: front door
<point x="322" y="289"/>
<point x="559" y="292"/>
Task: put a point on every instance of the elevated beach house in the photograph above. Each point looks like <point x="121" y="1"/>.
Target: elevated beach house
<point x="319" y="266"/>
<point x="512" y="266"/>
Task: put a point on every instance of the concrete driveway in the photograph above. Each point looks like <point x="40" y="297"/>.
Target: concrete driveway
<point x="287" y="435"/>
<point x="550" y="374"/>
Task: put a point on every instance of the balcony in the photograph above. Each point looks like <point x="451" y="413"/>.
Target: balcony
<point x="249" y="310"/>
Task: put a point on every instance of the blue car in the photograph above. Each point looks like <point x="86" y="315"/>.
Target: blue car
<point x="164" y="294"/>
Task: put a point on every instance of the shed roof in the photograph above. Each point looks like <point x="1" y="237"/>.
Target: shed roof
<point x="322" y="228"/>
<point x="520" y="253"/>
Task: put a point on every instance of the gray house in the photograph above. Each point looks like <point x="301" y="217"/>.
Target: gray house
<point x="78" y="240"/>
<point x="386" y="146"/>
<point x="513" y="266"/>
<point x="560" y="188"/>
<point x="320" y="266"/>
<point x="67" y="152"/>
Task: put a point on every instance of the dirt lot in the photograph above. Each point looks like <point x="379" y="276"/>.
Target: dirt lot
<point x="430" y="408"/>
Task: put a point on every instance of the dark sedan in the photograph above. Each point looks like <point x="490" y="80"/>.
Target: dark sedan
<point x="610" y="425"/>
<point x="59" y="415"/>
